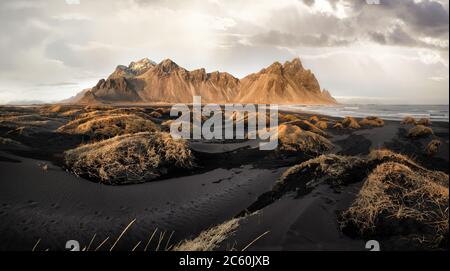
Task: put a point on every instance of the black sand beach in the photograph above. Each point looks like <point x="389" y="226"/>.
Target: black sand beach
<point x="43" y="205"/>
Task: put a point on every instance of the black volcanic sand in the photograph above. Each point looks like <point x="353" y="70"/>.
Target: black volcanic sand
<point x="49" y="207"/>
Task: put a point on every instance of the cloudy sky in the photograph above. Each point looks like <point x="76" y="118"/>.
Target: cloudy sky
<point x="394" y="52"/>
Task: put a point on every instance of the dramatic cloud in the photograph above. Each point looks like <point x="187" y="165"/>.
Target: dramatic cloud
<point x="50" y="49"/>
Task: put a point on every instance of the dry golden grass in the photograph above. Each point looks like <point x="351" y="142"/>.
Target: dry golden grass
<point x="409" y="120"/>
<point x="322" y="124"/>
<point x="155" y="114"/>
<point x="293" y="139"/>
<point x="102" y="126"/>
<point x="118" y="111"/>
<point x="372" y="121"/>
<point x="162" y="111"/>
<point x="25" y="119"/>
<point x="308" y="126"/>
<point x="398" y="194"/>
<point x="129" y="158"/>
<point x="129" y="111"/>
<point x="350" y="122"/>
<point x="71" y="113"/>
<point x="420" y="131"/>
<point x="376" y="157"/>
<point x="314" y="119"/>
<point x="244" y="117"/>
<point x="338" y="125"/>
<point x="98" y="107"/>
<point x="424" y="122"/>
<point x="384" y="155"/>
<point x="91" y="114"/>
<point x="210" y="239"/>
<point x="287" y="118"/>
<point x="334" y="167"/>
<point x="396" y="199"/>
<point x="29" y="123"/>
<point x="433" y="147"/>
<point x="55" y="109"/>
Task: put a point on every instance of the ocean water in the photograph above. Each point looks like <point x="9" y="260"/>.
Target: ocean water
<point x="388" y="112"/>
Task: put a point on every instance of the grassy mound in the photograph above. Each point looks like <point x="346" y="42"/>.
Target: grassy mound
<point x="399" y="197"/>
<point x="372" y="121"/>
<point x="73" y="113"/>
<point x="433" y="147"/>
<point x="424" y="122"/>
<point x="117" y="111"/>
<point x="420" y="131"/>
<point x="314" y="119"/>
<point x="56" y="109"/>
<point x="338" y="125"/>
<point x="322" y="124"/>
<point x="338" y="170"/>
<point x="163" y="111"/>
<point x="333" y="168"/>
<point x="131" y="158"/>
<point x="350" y="122"/>
<point x="155" y="114"/>
<point x="32" y="123"/>
<point x="397" y="200"/>
<point x="409" y="120"/>
<point x="308" y="126"/>
<point x="94" y="107"/>
<point x="287" y="118"/>
<point x="99" y="126"/>
<point x="293" y="139"/>
<point x="209" y="239"/>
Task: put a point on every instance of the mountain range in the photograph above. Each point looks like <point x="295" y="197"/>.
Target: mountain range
<point x="145" y="81"/>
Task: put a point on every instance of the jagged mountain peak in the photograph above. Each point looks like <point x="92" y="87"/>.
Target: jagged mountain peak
<point x="135" y="68"/>
<point x="146" y="82"/>
<point x="141" y="65"/>
<point x="293" y="64"/>
<point x="168" y="65"/>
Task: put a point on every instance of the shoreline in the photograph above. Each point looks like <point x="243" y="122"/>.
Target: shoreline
<point x="54" y="205"/>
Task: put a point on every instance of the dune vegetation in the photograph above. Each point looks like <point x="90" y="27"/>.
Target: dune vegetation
<point x="306" y="175"/>
<point x="350" y="122"/>
<point x="131" y="158"/>
<point x="419" y="131"/>
<point x="322" y="124"/>
<point x="372" y="121"/>
<point x="314" y="119"/>
<point x="210" y="239"/>
<point x="308" y="126"/>
<point x="287" y="118"/>
<point x="338" y="125"/>
<point x="397" y="200"/>
<point x="155" y="114"/>
<point x="293" y="139"/>
<point x="409" y="120"/>
<point x="107" y="126"/>
<point x="433" y="147"/>
<point x="424" y="122"/>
